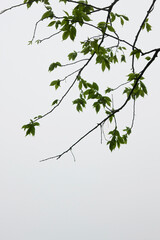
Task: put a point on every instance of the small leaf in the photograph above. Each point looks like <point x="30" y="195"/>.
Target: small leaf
<point x="97" y="106"/>
<point x="85" y="17"/>
<point x="55" y="83"/>
<point x="55" y="102"/>
<point x="48" y="14"/>
<point x="113" y="17"/>
<point x="72" y="55"/>
<point x="65" y="35"/>
<point x="123" y="59"/>
<point x="148" y="58"/>
<point x="148" y="27"/>
<point x="95" y="86"/>
<point x="122" y="21"/>
<point x="53" y="66"/>
<point x="51" y="23"/>
<point x="125" y="17"/>
<point x="108" y="90"/>
<point x="72" y="33"/>
<point x="110" y="28"/>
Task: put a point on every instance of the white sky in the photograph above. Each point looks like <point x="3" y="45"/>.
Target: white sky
<point x="103" y="195"/>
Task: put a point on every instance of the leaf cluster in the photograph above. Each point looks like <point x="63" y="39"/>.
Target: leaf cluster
<point x="140" y="88"/>
<point x="30" y="128"/>
<point x="147" y="26"/>
<point x="117" y="139"/>
<point x="90" y="91"/>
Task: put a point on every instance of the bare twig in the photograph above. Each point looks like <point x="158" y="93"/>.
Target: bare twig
<point x="70" y="75"/>
<point x="35" y="28"/>
<point x="46" y="38"/>
<point x="134" y="112"/>
<point x="81" y="60"/>
<point x="10" y="8"/>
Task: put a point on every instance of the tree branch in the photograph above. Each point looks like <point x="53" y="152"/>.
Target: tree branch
<point x="112" y="114"/>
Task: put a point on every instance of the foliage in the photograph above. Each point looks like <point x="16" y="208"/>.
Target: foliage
<point x="98" y="51"/>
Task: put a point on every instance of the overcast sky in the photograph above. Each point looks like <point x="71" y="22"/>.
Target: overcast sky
<point x="101" y="196"/>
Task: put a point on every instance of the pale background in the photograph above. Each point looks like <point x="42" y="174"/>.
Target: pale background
<point x="101" y="196"/>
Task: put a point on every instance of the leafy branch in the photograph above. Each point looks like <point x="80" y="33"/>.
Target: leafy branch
<point x="116" y="138"/>
<point x="96" y="49"/>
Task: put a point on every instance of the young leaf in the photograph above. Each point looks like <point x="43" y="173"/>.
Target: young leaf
<point x="65" y="35"/>
<point x="53" y="66"/>
<point x="55" y="102"/>
<point x="148" y="58"/>
<point x="55" y="83"/>
<point x="72" y="56"/>
<point x="148" y="27"/>
<point x="51" y="23"/>
<point x="110" y="28"/>
<point x="72" y="33"/>
<point x="48" y="14"/>
<point x="113" y="17"/>
<point x="123" y="59"/>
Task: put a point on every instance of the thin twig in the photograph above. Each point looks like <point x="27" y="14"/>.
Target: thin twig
<point x="70" y="75"/>
<point x="73" y="155"/>
<point x="134" y="112"/>
<point x="15" y="6"/>
<point x="46" y="38"/>
<point x="35" y="28"/>
<point x="68" y="64"/>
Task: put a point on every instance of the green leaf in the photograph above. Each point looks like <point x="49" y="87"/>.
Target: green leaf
<point x="72" y="33"/>
<point x="85" y="17"/>
<point x="125" y="17"/>
<point x="107" y="64"/>
<point x="110" y="28"/>
<point x="103" y="65"/>
<point x="123" y="59"/>
<point x="55" y="83"/>
<point x="127" y="130"/>
<point x="112" y="144"/>
<point x="108" y="90"/>
<point x="122" y="21"/>
<point x="30" y="128"/>
<point x="148" y="58"/>
<point x="72" y="56"/>
<point x="48" y="14"/>
<point x="136" y="52"/>
<point x="132" y="76"/>
<point x="53" y="66"/>
<point x="65" y="35"/>
<point x="113" y="17"/>
<point x="51" y="23"/>
<point x="143" y="87"/>
<point x="65" y="1"/>
<point x="97" y="106"/>
<point x="55" y="102"/>
<point x="102" y="26"/>
<point x="57" y="24"/>
<point x="148" y="27"/>
<point x="95" y="86"/>
<point x="79" y="108"/>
